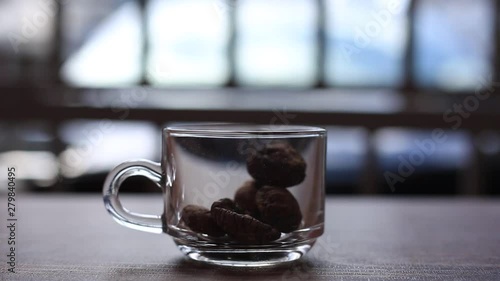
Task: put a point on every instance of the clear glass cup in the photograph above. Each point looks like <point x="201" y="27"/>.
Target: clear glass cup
<point x="275" y="218"/>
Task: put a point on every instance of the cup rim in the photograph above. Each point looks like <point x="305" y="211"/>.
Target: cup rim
<point x="241" y="129"/>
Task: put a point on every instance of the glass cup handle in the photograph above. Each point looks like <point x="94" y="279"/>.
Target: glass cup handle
<point x="145" y="168"/>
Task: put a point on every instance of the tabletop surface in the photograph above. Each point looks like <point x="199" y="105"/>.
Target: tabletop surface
<point x="71" y="237"/>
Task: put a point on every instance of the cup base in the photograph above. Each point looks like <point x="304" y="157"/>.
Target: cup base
<point x="245" y="257"/>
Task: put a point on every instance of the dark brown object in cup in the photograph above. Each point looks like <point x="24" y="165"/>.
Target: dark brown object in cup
<point x="245" y="198"/>
<point x="225" y="203"/>
<point x="277" y="164"/>
<point x="200" y="220"/>
<point x="244" y="228"/>
<point x="278" y="208"/>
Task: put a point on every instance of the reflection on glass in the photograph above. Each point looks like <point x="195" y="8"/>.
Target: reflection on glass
<point x="188" y="42"/>
<point x="276" y="43"/>
<point x="365" y="42"/>
<point x="111" y="53"/>
<point x="453" y="42"/>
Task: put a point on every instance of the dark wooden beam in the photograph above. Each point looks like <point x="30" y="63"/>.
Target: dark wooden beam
<point x="306" y="107"/>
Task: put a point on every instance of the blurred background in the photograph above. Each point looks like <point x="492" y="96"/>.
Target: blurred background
<point x="406" y="89"/>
